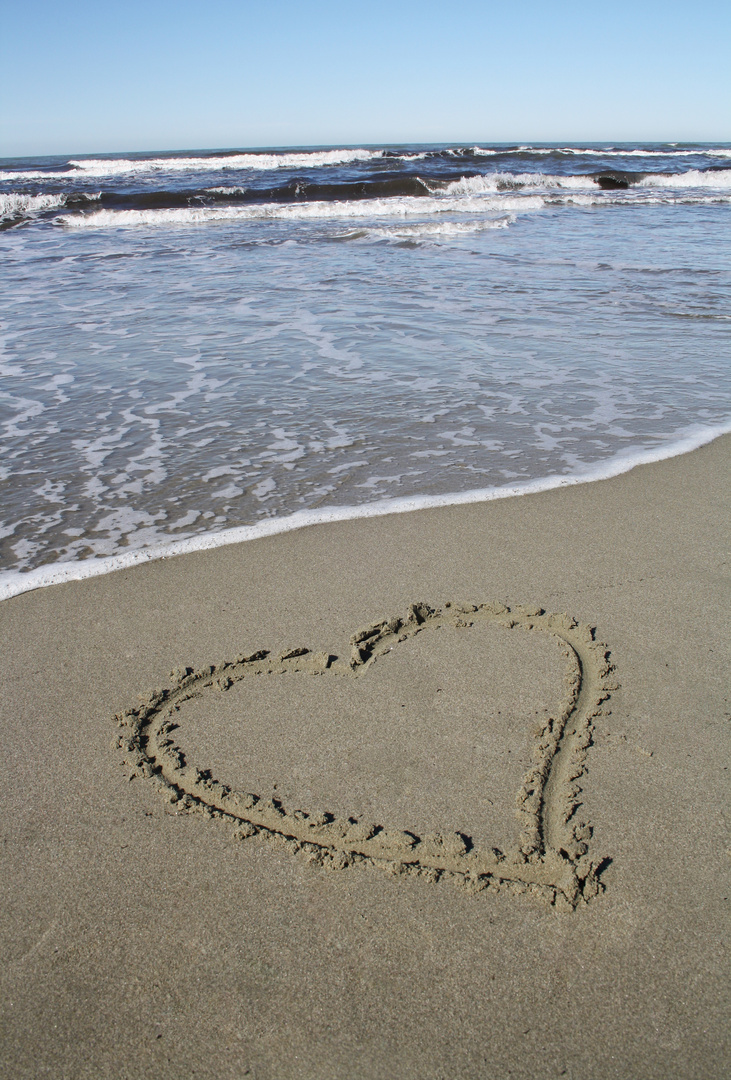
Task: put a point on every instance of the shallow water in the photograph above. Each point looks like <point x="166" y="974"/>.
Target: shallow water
<point x="168" y="371"/>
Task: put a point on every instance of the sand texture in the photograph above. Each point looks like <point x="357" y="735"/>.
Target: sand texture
<point x="437" y="796"/>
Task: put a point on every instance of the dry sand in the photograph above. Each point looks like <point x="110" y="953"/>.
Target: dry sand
<point x="475" y="842"/>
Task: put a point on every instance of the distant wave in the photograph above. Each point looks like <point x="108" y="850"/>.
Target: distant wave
<point x="81" y="168"/>
<point x="237" y="161"/>
<point x="99" y="167"/>
<point x="309" y="159"/>
<point x="576" y="151"/>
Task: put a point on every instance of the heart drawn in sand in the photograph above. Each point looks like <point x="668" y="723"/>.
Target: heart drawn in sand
<point x="551" y="858"/>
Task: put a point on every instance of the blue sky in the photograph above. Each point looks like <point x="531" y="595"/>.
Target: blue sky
<point x="84" y="77"/>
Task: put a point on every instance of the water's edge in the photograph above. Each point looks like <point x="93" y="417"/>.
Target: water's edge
<point x="14" y="583"/>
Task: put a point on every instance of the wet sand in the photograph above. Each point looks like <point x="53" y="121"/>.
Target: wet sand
<point x="461" y="836"/>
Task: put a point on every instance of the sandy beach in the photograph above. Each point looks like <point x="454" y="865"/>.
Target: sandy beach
<point x="394" y="809"/>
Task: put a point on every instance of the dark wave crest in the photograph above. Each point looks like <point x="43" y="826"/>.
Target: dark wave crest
<point x="617" y="179"/>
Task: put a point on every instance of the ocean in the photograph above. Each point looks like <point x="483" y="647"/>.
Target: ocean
<point x="206" y="346"/>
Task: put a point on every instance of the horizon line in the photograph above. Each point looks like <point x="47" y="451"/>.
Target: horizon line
<point x="362" y="144"/>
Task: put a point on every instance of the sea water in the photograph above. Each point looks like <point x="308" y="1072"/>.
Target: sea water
<point x="207" y="346"/>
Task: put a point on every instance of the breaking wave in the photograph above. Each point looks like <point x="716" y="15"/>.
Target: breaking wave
<point x="575" y="151"/>
<point x="100" y="167"/>
<point x="464" y="197"/>
<point x="503" y="181"/>
<point x="407" y="206"/>
<point x="15" y="204"/>
<point x="710" y="178"/>
<point x="617" y="179"/>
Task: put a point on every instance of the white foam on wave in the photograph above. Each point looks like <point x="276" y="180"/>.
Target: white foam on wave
<point x="575" y="151"/>
<point x="472" y="195"/>
<point x="34" y="174"/>
<point x="15" y="204"/>
<point x="719" y="179"/>
<point x="503" y="181"/>
<point x="636" y="197"/>
<point x="307" y="160"/>
<point x="84" y="167"/>
<point x="399" y="206"/>
<point x="13" y="582"/>
<point x="429" y="230"/>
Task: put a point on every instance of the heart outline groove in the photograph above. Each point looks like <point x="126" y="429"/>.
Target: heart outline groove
<point x="552" y="859"/>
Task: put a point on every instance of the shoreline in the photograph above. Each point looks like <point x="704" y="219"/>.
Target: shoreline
<point x="144" y="933"/>
<point x="16" y="582"/>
